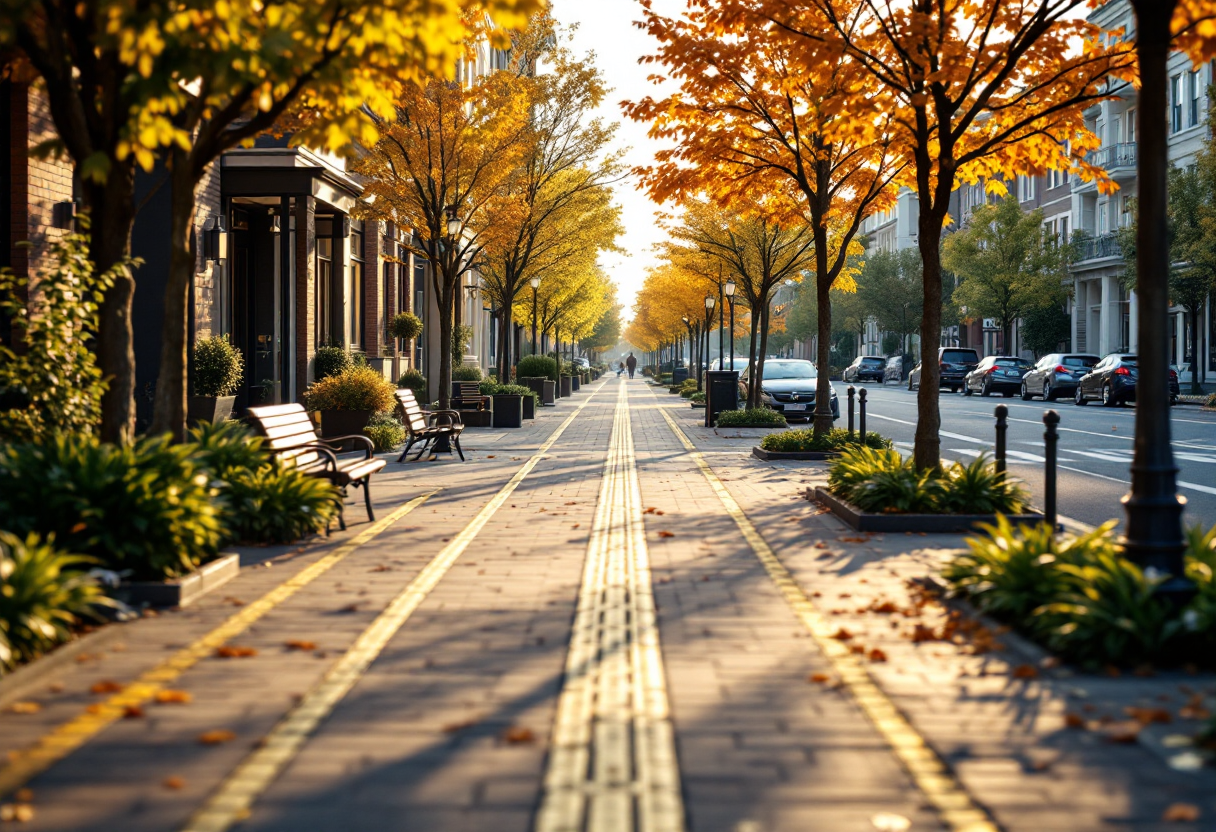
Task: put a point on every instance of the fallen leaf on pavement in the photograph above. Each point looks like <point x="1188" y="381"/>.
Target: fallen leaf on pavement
<point x="216" y="737"/>
<point x="1147" y="716"/>
<point x="859" y="649"/>
<point x="1181" y="813"/>
<point x="518" y="736"/>
<point x="296" y="644"/>
<point x="576" y="525"/>
<point x="1124" y="733"/>
<point x="230" y="651"/>
<point x="853" y="539"/>
<point x="842" y="634"/>
<point x="1025" y="671"/>
<point x="877" y="655"/>
<point x="173" y="697"/>
<point x="667" y="534"/>
<point x="105" y="686"/>
<point x="1074" y="720"/>
<point x="821" y="545"/>
<point x="24" y="708"/>
<point x="819" y="678"/>
<point x="490" y="456"/>
<point x="174" y="783"/>
<point x="132" y="712"/>
<point x="16" y="812"/>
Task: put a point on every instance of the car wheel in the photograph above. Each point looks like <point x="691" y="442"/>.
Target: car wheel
<point x="910" y="387"/>
<point x="1107" y="399"/>
<point x="1078" y="398"/>
<point x="966" y="389"/>
<point x="1026" y="393"/>
<point x="1048" y="394"/>
<point x="985" y="390"/>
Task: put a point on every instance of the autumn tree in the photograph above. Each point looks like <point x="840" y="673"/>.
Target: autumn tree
<point x="559" y="208"/>
<point x="976" y="89"/>
<point x="1007" y="263"/>
<point x="189" y="79"/>
<point x="448" y="157"/>
<point x="759" y="253"/>
<point x="771" y="117"/>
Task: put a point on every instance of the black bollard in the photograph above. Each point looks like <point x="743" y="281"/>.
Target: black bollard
<point x="852" y="392"/>
<point x="1050" y="440"/>
<point x="1002" y="425"/>
<point x="861" y="404"/>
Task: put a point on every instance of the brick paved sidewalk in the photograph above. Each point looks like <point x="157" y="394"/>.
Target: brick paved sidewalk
<point x="447" y="721"/>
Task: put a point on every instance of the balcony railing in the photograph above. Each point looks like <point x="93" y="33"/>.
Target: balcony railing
<point x="1095" y="248"/>
<point x="1115" y="156"/>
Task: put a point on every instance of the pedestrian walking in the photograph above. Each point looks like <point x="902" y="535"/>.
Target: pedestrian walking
<point x="631" y="363"/>
<point x="620" y="368"/>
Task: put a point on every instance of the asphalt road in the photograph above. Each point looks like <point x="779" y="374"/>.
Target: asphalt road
<point x="1095" y="447"/>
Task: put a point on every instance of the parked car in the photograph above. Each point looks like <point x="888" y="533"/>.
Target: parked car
<point x="996" y="374"/>
<point x="1112" y="381"/>
<point x="864" y="367"/>
<point x="1056" y="375"/>
<point x="741" y="363"/>
<point x="788" y="386"/>
<point x="954" y="363"/>
<point x="897" y="369"/>
<point x="582" y="362"/>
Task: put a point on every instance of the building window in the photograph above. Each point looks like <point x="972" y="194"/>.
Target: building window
<point x="325" y="289"/>
<point x="1175" y="103"/>
<point x="1026" y="187"/>
<point x="1195" y="89"/>
<point x="1131" y="125"/>
<point x="356" y="285"/>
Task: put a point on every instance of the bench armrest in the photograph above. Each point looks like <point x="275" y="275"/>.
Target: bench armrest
<point x="450" y="415"/>
<point x="331" y="459"/>
<point x="338" y="440"/>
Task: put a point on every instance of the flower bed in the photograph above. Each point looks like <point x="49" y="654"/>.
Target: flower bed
<point x="756" y="417"/>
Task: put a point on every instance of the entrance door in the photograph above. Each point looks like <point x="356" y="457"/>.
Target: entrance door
<point x="256" y="323"/>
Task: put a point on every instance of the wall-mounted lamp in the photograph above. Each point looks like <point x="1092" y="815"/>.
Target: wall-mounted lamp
<point x="215" y="239"/>
<point x="63" y="215"/>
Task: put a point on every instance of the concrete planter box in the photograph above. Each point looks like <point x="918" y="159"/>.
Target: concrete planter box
<point x="698" y="404"/>
<point x="567" y="387"/>
<point x="184" y="590"/>
<point x="477" y="418"/>
<point x="928" y="523"/>
<point x="800" y="456"/>
<point x="575" y="383"/>
<point x="211" y="409"/>
<point x="529" y="407"/>
<point x="344" y="422"/>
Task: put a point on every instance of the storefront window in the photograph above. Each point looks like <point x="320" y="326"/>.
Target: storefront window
<point x="356" y="285"/>
<point x="325" y="289"/>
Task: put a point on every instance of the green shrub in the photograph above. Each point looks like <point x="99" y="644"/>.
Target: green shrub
<point x="276" y="504"/>
<point x="978" y="488"/>
<point x="1201" y="569"/>
<point x="664" y="378"/>
<point x="536" y="366"/>
<point x="697" y="396"/>
<point x="859" y="464"/>
<point x="385" y="431"/>
<point x="331" y="361"/>
<point x="756" y="417"/>
<point x="901" y="491"/>
<point x="219" y="367"/>
<point x="405" y="325"/>
<point x="45" y="595"/>
<point x="466" y="374"/>
<point x="898" y="487"/>
<point x="492" y="388"/>
<point x="804" y="439"/>
<point x="413" y="380"/>
<point x="51" y="382"/>
<point x="648" y="370"/>
<point x="145" y="508"/>
<point x="357" y="388"/>
<point x="1211" y="401"/>
<point x="461" y="335"/>
<point x="221" y="447"/>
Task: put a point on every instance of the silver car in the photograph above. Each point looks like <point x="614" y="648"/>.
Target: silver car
<point x="789" y="387"/>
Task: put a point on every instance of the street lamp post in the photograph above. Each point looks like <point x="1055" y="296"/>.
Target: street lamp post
<point x="535" y="285"/>
<point x="721" y="331"/>
<point x="729" y="289"/>
<point x="709" y="311"/>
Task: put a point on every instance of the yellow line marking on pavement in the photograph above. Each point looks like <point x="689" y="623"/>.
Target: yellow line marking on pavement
<point x="232" y="800"/>
<point x="61" y="741"/>
<point x="958" y="811"/>
<point x="613" y="756"/>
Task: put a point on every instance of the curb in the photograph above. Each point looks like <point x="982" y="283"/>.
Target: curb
<point x="929" y="523"/>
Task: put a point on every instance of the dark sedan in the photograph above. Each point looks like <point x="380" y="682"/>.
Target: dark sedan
<point x="996" y="374"/>
<point x="1112" y="381"/>
<point x="788" y="386"/>
<point x="953" y="363"/>
<point x="1056" y="375"/>
<point x="863" y="368"/>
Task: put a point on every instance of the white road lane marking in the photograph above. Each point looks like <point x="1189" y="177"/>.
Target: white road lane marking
<point x="1206" y="489"/>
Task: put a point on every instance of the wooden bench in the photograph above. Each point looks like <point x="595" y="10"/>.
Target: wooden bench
<point x="292" y="438"/>
<point x="426" y="427"/>
<point x="468" y="397"/>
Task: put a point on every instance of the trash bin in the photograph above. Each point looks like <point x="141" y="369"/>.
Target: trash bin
<point x="679" y="375"/>
<point x="721" y="393"/>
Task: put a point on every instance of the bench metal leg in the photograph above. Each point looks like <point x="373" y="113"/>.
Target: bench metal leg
<point x="456" y="442"/>
<point x="367" y="499"/>
<point x="408" y="445"/>
<point x="423" y="449"/>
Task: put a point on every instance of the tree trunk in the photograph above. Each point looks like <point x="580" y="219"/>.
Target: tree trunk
<point x="758" y="375"/>
<point x="112" y="213"/>
<point x="823" y="328"/>
<point x="446" y="328"/>
<point x="927" y="452"/>
<point x="1154" y="511"/>
<point x="1196" y="362"/>
<point x="504" y="340"/>
<point x="751" y="352"/>
<point x="169" y="408"/>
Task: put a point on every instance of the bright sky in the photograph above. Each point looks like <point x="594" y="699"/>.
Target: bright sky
<point x="606" y="28"/>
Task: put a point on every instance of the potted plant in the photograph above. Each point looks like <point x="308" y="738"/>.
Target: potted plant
<point x="509" y="404"/>
<point x="219" y="369"/>
<point x="407" y="326"/>
<point x="538" y="372"/>
<point x="465" y="374"/>
<point x="348" y="400"/>
<point x="416" y="381"/>
<point x="330" y="361"/>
